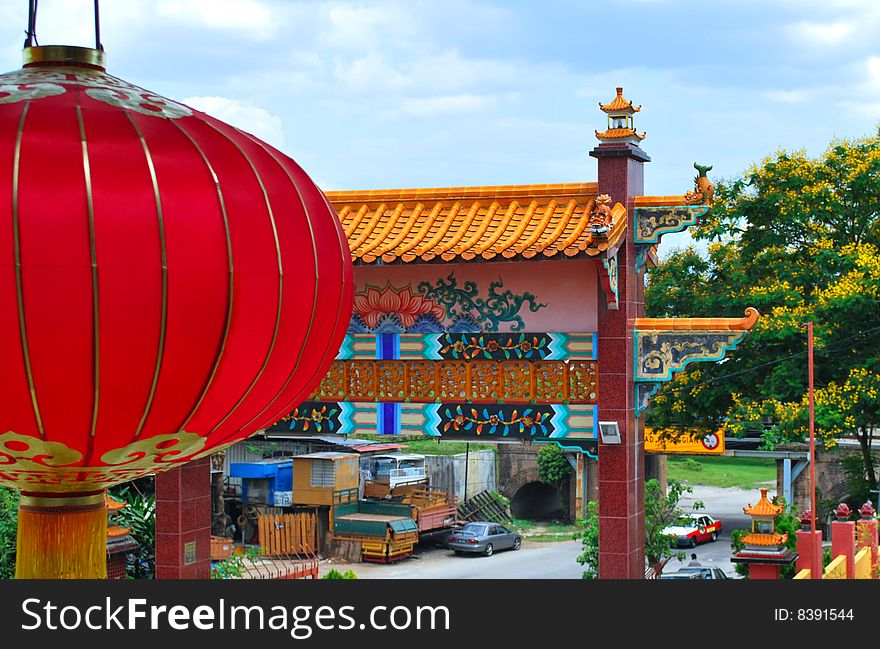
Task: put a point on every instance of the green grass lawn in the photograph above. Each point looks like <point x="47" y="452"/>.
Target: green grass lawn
<point x="743" y="472"/>
<point x="545" y="531"/>
<point x="427" y="446"/>
<point x="432" y="447"/>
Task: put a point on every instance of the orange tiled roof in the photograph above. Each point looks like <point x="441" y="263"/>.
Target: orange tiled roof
<point x="766" y="540"/>
<point x="763" y="507"/>
<point x="112" y="504"/>
<point x="619" y="134"/>
<point x="115" y="531"/>
<point x="464" y="223"/>
<point x="619" y="103"/>
<point x="707" y="324"/>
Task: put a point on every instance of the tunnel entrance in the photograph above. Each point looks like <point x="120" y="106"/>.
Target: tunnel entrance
<point x="537" y="501"/>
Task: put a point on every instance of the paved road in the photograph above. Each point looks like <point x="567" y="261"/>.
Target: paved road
<point x="532" y="561"/>
<point x="557" y="560"/>
<point x="726" y="505"/>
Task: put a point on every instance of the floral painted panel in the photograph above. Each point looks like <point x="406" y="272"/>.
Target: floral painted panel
<point x="438" y="307"/>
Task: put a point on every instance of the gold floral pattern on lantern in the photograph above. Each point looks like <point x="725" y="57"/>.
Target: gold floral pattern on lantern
<point x="35" y="464"/>
<point x="160" y="449"/>
<point x="26" y="451"/>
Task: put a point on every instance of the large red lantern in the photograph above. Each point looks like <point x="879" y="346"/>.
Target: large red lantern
<point x="168" y="285"/>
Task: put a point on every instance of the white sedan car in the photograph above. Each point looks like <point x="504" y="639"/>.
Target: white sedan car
<point x="694" y="528"/>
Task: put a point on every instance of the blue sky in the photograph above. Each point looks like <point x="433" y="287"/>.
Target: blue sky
<point x="429" y="93"/>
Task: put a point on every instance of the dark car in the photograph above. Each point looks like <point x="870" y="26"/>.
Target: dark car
<point x="483" y="538"/>
<point x="696" y="572"/>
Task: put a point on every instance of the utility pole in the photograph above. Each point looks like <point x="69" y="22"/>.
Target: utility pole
<point x="467" y="457"/>
<point x="812" y="428"/>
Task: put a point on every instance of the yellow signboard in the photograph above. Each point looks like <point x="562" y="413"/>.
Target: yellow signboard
<point x="685" y="443"/>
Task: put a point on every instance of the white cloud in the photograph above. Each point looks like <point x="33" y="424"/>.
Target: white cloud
<point x="868" y="92"/>
<point x="796" y="96"/>
<point x="821" y="33"/>
<point x="873" y="79"/>
<point x="247" y="117"/>
<point x="365" y="28"/>
<point x="252" y="18"/>
<point x="444" y="105"/>
<point x="368" y="72"/>
<point x="448" y="70"/>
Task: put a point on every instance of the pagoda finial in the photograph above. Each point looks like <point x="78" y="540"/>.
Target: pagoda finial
<point x="620" y="121"/>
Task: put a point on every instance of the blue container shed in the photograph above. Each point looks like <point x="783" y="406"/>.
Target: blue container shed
<point x="265" y="482"/>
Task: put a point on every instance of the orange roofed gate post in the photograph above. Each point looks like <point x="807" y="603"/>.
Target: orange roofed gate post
<point x="621" y="466"/>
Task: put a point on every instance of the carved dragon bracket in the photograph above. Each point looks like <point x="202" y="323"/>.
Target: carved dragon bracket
<point x="666" y="346"/>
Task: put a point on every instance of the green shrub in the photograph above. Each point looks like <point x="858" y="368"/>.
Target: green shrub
<point x="553" y="468"/>
<point x="228" y="568"/>
<point x="8" y="531"/>
<point x="140" y="518"/>
<point x="333" y="573"/>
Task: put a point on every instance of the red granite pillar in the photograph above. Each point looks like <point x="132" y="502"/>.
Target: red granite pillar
<point x="621" y="466"/>
<point x="183" y="522"/>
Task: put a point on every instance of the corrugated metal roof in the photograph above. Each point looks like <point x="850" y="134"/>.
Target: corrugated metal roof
<point x="327" y="455"/>
<point x="339" y="440"/>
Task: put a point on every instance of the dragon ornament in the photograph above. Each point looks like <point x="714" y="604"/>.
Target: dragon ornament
<point x="704" y="190"/>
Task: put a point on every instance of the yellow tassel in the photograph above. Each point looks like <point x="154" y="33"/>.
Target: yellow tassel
<point x="61" y="536"/>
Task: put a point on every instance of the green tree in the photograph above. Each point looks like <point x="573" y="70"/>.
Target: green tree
<point x="661" y="510"/>
<point x="589" y="556"/>
<point x="8" y="531"/>
<point x="799" y="239"/>
<point x="553" y="468"/>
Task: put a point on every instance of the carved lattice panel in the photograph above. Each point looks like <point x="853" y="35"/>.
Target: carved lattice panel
<point x="453" y="377"/>
<point x="391" y="381"/>
<point x="517" y="380"/>
<point x="551" y="384"/>
<point x="485" y="382"/>
<point x="361" y="380"/>
<point x="334" y="384"/>
<point x="581" y="382"/>
<point x="421" y="380"/>
<point x="480" y="381"/>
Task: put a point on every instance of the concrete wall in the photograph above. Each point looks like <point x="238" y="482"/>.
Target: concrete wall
<point x="830" y="476"/>
<point x="517" y="466"/>
<point x="447" y="473"/>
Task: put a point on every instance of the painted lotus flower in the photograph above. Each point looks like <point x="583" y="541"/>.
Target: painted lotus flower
<point x="373" y="302"/>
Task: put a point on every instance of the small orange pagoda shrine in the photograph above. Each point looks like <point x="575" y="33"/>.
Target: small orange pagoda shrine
<point x="765" y="548"/>
<point x="119" y="540"/>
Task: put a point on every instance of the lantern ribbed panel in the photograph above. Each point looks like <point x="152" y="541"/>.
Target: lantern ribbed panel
<point x="163" y="276"/>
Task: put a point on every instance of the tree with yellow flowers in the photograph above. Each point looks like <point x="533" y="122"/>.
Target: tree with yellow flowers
<point x="798" y="238"/>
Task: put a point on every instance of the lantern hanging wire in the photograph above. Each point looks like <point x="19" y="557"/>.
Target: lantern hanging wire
<point x="31" y="39"/>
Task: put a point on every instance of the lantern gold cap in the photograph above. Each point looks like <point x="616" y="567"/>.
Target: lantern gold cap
<point x="63" y="55"/>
